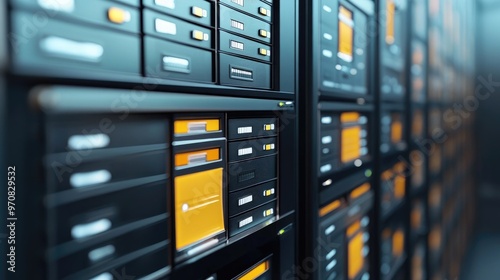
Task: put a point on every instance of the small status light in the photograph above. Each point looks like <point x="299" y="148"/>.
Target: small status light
<point x="118" y="16"/>
<point x="358" y="163"/>
<point x="368" y="173"/>
<point x="281" y="232"/>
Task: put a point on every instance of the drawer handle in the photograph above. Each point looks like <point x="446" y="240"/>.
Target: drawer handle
<point x="176" y="64"/>
<point x="93" y="228"/>
<point x="79" y="180"/>
<point x="91" y="141"/>
<point x="102" y="252"/>
<point x="65" y="48"/>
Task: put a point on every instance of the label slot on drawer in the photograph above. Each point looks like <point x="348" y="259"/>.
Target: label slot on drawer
<point x="241" y="46"/>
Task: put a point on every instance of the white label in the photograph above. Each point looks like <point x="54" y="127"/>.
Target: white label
<point x="58" y="5"/>
<point x="331" y="254"/>
<point x="244" y="130"/>
<point x="84" y="179"/>
<point x="91" y="141"/>
<point x="327" y="9"/>
<point x="100" y="253"/>
<point x="239" y="2"/>
<point x="326" y="120"/>
<point x="329" y="229"/>
<point x="245" y="151"/>
<point x="246" y="222"/>
<point x="245" y="200"/>
<point x="331" y="265"/>
<point x="166" y="27"/>
<point x="103" y="276"/>
<point x="326" y="140"/>
<point x="238" y="25"/>
<point x="237" y="45"/>
<point x="327" y="53"/>
<point x="325" y="168"/>
<point x="66" y="48"/>
<point x="93" y="228"/>
<point x="166" y="3"/>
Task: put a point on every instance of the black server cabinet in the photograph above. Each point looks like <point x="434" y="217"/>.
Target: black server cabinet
<point x="338" y="130"/>
<point x="151" y="139"/>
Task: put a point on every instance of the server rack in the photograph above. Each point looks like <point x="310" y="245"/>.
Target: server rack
<point x="151" y="139"/>
<point x="337" y="139"/>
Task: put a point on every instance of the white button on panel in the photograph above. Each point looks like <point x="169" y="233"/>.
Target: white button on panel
<point x="85" y="179"/>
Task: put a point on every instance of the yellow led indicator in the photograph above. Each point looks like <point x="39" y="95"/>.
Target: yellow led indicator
<point x="263" y="33"/>
<point x="268" y="212"/>
<point x="269" y="192"/>
<point x="118" y="16"/>
<point x="268" y="127"/>
<point x="198" y="12"/>
<point x="198" y="35"/>
<point x="268" y="147"/>
<point x="264" y="11"/>
<point x="262" y="51"/>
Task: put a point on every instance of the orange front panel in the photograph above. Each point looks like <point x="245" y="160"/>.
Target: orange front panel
<point x="346" y="32"/>
<point x="398" y="243"/>
<point x="255" y="272"/>
<point x="350" y="141"/>
<point x="359" y="191"/>
<point x="200" y="156"/>
<point x="196" y="126"/>
<point x="198" y="206"/>
<point x="389" y="28"/>
<point x="355" y="259"/>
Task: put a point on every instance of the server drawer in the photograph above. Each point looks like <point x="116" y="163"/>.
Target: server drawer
<point x="247" y="199"/>
<point x="105" y="252"/>
<point x="94" y="174"/>
<point x="101" y="132"/>
<point x="174" y="29"/>
<point x="104" y="13"/>
<point x="240" y="46"/>
<point x="249" y="128"/>
<point x="198" y="11"/>
<point x="235" y="71"/>
<point x="178" y="62"/>
<point x="237" y="22"/>
<point x="67" y="46"/>
<point x="98" y="215"/>
<point x="255" y="8"/>
<point x="251" y="172"/>
<point x="252" y="218"/>
<point x="247" y="149"/>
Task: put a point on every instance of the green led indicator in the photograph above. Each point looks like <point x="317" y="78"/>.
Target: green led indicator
<point x="281" y="232"/>
<point x="281" y="104"/>
<point x="368" y="173"/>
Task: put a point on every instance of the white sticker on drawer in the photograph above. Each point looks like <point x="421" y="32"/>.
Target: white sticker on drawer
<point x="89" y="141"/>
<point x="93" y="228"/>
<point x="101" y="252"/>
<point x="245" y="151"/>
<point x="65" y="48"/>
<point x="244" y="130"/>
<point x="58" y="5"/>
<point x="245" y="200"/>
<point x="246" y="221"/>
<point x="166" y="3"/>
<point x="166" y="27"/>
<point x="79" y="180"/>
